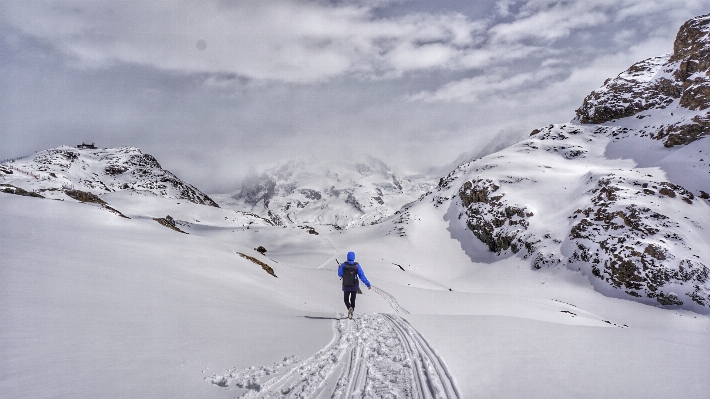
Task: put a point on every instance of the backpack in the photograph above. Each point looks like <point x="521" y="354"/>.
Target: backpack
<point x="350" y="274"/>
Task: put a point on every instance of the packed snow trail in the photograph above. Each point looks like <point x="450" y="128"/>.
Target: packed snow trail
<point x="391" y="300"/>
<point x="372" y="356"/>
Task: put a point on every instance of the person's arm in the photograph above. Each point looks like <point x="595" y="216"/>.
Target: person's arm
<point x="340" y="270"/>
<point x="361" y="274"/>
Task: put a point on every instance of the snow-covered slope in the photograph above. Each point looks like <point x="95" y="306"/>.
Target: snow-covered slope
<point x="558" y="200"/>
<point x="340" y="192"/>
<point x="54" y="172"/>
<point x="599" y="195"/>
<point x="95" y="305"/>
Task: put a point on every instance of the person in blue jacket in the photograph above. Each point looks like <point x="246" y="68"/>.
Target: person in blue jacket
<point x="351" y="273"/>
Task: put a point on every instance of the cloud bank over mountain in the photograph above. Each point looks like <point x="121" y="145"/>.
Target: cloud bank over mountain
<point x="250" y="82"/>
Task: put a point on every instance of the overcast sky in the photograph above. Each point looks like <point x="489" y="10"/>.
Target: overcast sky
<point x="215" y="88"/>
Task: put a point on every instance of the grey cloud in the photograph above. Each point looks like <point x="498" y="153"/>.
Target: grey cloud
<point x="277" y="40"/>
<point x="414" y="83"/>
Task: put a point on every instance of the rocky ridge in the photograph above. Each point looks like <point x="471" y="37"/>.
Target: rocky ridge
<point x="599" y="195"/>
<point x="56" y="172"/>
<point x="670" y="92"/>
<point x="557" y="200"/>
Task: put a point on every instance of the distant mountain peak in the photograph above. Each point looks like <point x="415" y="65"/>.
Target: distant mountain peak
<point x="343" y="192"/>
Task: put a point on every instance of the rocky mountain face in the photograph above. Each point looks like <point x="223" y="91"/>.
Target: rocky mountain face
<point x="672" y="91"/>
<point x="620" y="194"/>
<point x="558" y="200"/>
<point x="341" y="193"/>
<point x="60" y="171"/>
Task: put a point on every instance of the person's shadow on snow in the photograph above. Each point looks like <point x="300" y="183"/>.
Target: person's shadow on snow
<point x="321" y="318"/>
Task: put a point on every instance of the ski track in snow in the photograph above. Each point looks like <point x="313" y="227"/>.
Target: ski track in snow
<point x="372" y="356"/>
<point x="335" y="252"/>
<point x="391" y="300"/>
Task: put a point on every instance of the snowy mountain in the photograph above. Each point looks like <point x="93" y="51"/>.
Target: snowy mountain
<point x="620" y="194"/>
<point x="342" y="193"/>
<point x="488" y="284"/>
<point x="664" y="97"/>
<point x="61" y="172"/>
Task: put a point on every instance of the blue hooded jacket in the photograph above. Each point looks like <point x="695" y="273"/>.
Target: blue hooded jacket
<point x="360" y="274"/>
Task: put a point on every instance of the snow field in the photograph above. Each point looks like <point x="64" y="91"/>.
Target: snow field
<point x="372" y="356"/>
<point x="94" y="305"/>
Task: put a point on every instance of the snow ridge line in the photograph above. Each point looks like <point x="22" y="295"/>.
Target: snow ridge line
<point x="372" y="356"/>
<point x="391" y="300"/>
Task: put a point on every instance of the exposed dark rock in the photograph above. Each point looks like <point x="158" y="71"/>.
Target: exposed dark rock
<point x="116" y="211"/>
<point x="311" y="194"/>
<point x="115" y="169"/>
<point x="257" y="190"/>
<point x="354" y="202"/>
<point x="624" y="96"/>
<point x="263" y="265"/>
<point x="62" y="158"/>
<point x="668" y="300"/>
<point x="169" y="222"/>
<point x="622" y="244"/>
<point x="657" y="82"/>
<point x="10" y="189"/>
<point x="84" y="196"/>
<point x="144" y="160"/>
<point x="684" y="133"/>
<point x="497" y="224"/>
<point x="692" y="40"/>
<point x="541" y="260"/>
<point x="310" y="229"/>
<point x="656" y="252"/>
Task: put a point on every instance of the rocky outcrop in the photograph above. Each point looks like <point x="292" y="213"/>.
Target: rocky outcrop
<point x="677" y="80"/>
<point x="631" y="92"/>
<point x="630" y="246"/>
<point x="10" y="189"/>
<point x="255" y="191"/>
<point x="682" y="133"/>
<point x="603" y="202"/>
<point x="83" y="196"/>
<point x="630" y="230"/>
<point x="169" y="222"/>
<point x="499" y="225"/>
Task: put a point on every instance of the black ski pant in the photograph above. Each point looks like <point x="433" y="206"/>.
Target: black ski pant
<point x="349" y="298"/>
